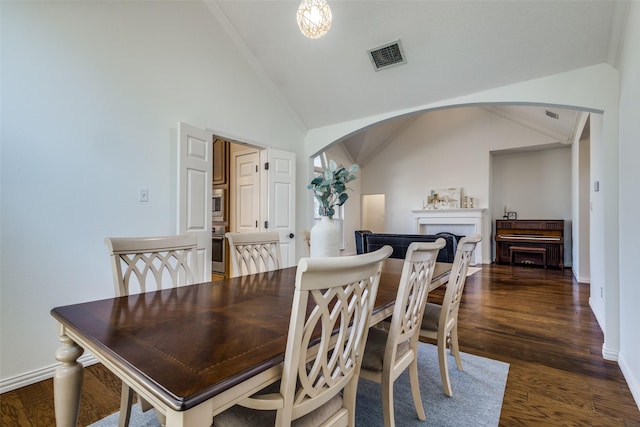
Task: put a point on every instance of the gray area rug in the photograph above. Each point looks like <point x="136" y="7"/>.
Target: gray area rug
<point x="476" y="401"/>
<point x="477" y="396"/>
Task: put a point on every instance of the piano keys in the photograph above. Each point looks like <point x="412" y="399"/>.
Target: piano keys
<point x="530" y="242"/>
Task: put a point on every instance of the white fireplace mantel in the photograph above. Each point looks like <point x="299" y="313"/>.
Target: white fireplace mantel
<point x="462" y="222"/>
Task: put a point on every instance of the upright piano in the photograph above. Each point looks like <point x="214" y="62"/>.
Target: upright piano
<point x="530" y="242"/>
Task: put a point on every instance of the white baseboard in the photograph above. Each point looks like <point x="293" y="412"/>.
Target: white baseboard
<point x="609" y="354"/>
<point x="595" y="313"/>
<point x="38" y="375"/>
<point x="580" y="279"/>
<point x="632" y="381"/>
<point x="586" y="280"/>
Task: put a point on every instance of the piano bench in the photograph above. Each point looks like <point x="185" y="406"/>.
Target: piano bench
<point x="528" y="249"/>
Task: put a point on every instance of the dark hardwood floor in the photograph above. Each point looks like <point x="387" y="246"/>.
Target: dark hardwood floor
<point x="537" y="320"/>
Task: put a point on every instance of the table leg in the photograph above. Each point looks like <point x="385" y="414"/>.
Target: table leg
<point x="67" y="383"/>
<point x="198" y="416"/>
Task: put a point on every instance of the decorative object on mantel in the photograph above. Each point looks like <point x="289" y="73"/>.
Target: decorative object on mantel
<point x="330" y="189"/>
<point x="444" y="198"/>
<point x="512" y="215"/>
<point x="314" y="18"/>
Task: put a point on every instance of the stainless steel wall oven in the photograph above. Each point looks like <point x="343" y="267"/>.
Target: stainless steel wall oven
<point x="217" y="205"/>
<point x="218" y="250"/>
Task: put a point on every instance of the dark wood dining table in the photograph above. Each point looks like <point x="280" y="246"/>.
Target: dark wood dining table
<point x="192" y="351"/>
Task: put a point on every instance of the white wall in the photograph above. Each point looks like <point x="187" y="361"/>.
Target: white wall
<point x="91" y="96"/>
<point x="441" y="149"/>
<point x="630" y="202"/>
<point x="598" y="296"/>
<point x="535" y="184"/>
<point x="581" y="200"/>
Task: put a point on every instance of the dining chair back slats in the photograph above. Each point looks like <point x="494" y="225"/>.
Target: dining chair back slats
<point x="150" y="263"/>
<point x="252" y="253"/>
<point x="153" y="263"/>
<point x="457" y="279"/>
<point x="440" y="322"/>
<point x="389" y="352"/>
<point x="328" y="329"/>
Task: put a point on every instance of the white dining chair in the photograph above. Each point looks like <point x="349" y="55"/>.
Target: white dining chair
<point x="389" y="352"/>
<point x="141" y="264"/>
<point x="440" y="322"/>
<point x="328" y="330"/>
<point x="252" y="253"/>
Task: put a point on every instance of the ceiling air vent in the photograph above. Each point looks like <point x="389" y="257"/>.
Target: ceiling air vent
<point x="552" y="114"/>
<point x="387" y="55"/>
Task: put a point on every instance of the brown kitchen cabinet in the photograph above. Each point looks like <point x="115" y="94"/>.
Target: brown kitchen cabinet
<point x="220" y="161"/>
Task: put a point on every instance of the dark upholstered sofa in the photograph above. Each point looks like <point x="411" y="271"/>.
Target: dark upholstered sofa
<point x="366" y="241"/>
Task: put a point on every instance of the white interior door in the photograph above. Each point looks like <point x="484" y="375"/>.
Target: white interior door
<point x="281" y="201"/>
<point x="247" y="192"/>
<point x="195" y="170"/>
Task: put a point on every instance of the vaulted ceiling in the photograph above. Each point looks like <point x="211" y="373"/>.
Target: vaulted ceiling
<point x="451" y="48"/>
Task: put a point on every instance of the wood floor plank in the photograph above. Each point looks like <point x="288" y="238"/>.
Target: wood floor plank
<point x="12" y="413"/>
<point x="37" y="403"/>
<point x="541" y="323"/>
<point x="101" y="394"/>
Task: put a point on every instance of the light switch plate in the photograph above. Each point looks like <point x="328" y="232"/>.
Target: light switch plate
<point x="143" y="194"/>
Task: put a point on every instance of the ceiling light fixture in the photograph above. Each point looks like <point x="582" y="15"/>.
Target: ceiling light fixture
<point x="314" y="18"/>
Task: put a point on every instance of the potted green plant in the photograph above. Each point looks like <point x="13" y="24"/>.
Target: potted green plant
<point x="330" y="190"/>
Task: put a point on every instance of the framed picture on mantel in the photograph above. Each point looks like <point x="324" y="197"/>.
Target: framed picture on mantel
<point x="512" y="215"/>
<point x="444" y="198"/>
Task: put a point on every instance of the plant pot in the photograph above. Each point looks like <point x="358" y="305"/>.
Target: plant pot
<point x="325" y="238"/>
